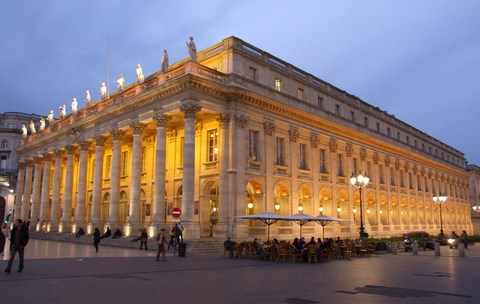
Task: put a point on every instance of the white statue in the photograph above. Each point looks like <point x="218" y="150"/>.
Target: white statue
<point x="120" y="83"/>
<point x="103" y="91"/>
<point x="192" y="49"/>
<point x="165" y="61"/>
<point x="50" y="118"/>
<point x="140" y="74"/>
<point x="63" y="111"/>
<point x="32" y="127"/>
<point x="24" y="131"/>
<point x="74" y="106"/>
<point x="42" y="124"/>
<point x="87" y="98"/>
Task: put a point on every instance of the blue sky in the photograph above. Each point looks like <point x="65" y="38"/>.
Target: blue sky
<point x="417" y="60"/>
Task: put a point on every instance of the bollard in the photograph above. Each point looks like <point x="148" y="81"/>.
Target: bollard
<point x="415" y="248"/>
<point x="394" y="248"/>
<point x="461" y="249"/>
<point x="437" y="249"/>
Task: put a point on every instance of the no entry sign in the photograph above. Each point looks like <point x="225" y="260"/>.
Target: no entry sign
<point x="176" y="212"/>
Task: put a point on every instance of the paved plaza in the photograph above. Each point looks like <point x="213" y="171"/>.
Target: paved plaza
<point x="59" y="272"/>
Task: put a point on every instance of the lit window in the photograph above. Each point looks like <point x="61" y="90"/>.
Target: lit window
<point x="278" y="84"/>
<point x="124" y="163"/>
<point x="144" y="153"/>
<point x="212" y="145"/>
<point x="108" y="166"/>
<point x="300" y="94"/>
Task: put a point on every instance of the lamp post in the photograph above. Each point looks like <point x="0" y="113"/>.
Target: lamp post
<point x="440" y="199"/>
<point x="360" y="181"/>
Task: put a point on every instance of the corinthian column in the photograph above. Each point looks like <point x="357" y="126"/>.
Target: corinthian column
<point x="188" y="163"/>
<point x="82" y="184"/>
<point x="37" y="177"/>
<point x="57" y="180"/>
<point x="67" y="190"/>
<point x="135" y="181"/>
<point x="160" y="164"/>
<point x="27" y="191"/>
<point x="224" y="206"/>
<point x="113" y="219"/>
<point x="97" y="181"/>
<point x="19" y="190"/>
<point x="44" y="198"/>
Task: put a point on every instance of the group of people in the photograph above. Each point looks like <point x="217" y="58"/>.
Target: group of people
<point x="463" y="238"/>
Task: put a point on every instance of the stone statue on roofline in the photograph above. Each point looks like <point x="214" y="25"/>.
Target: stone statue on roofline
<point x="192" y="49"/>
<point x="87" y="97"/>
<point x="165" y="61"/>
<point x="42" y="124"/>
<point x="74" y="106"/>
<point x="103" y="91"/>
<point x="50" y="118"/>
<point x="139" y="71"/>
<point x="32" y="127"/>
<point x="63" y="111"/>
<point x="24" y="131"/>
<point x="120" y="83"/>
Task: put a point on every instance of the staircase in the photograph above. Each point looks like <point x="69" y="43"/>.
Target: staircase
<point x="205" y="247"/>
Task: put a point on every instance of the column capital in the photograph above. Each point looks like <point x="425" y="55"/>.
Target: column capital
<point x="84" y="145"/>
<point x="59" y="153"/>
<point x="99" y="140"/>
<point x="21" y="164"/>
<point x="332" y="145"/>
<point x="161" y="119"/>
<point x="137" y="128"/>
<point x="190" y="109"/>
<point x="117" y="134"/>
<point x="293" y="134"/>
<point x="70" y="149"/>
<point x="38" y="159"/>
<point x="268" y="128"/>
<point x="241" y="121"/>
<point x="28" y="162"/>
<point x="224" y="120"/>
<point x="48" y="156"/>
<point x="314" y="141"/>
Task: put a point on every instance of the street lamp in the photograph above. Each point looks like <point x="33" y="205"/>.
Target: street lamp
<point x="476" y="208"/>
<point x="440" y="199"/>
<point x="360" y="181"/>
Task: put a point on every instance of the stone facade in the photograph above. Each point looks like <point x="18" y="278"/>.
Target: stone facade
<point x="239" y="128"/>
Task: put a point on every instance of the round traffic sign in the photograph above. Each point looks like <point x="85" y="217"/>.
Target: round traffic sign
<point x="176" y="212"/>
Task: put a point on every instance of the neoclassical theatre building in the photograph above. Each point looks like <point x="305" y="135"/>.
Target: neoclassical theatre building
<point x="237" y="131"/>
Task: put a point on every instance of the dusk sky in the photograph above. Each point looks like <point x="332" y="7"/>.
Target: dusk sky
<point x="416" y="59"/>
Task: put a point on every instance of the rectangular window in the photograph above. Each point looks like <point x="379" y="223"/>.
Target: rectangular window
<point x="392" y="177"/>
<point x="300" y="94"/>
<point x="415" y="143"/>
<point x="253" y="73"/>
<point x="320" y="102"/>
<point x="408" y="140"/>
<point x="378" y="127"/>
<point x="11" y="125"/>
<point x="253" y="145"/>
<point x="365" y="121"/>
<point x="382" y="175"/>
<point x="4" y="144"/>
<point x="369" y="171"/>
<point x="323" y="161"/>
<point x="402" y="179"/>
<point x="389" y="132"/>
<point x="338" y="110"/>
<point x="124" y="163"/>
<point x="352" y="116"/>
<point x="212" y="146"/>
<point x="278" y="84"/>
<point x="280" y="150"/>
<point x="144" y="155"/>
<point x="340" y="165"/>
<point x="303" y="157"/>
<point x="108" y="166"/>
<point x="410" y="180"/>
<point x="426" y="185"/>
<point x="355" y="166"/>
<point x="398" y="135"/>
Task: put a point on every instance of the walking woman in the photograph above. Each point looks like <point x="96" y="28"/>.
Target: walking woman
<point x="96" y="239"/>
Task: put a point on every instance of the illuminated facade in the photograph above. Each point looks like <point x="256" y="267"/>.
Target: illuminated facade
<point x="239" y="131"/>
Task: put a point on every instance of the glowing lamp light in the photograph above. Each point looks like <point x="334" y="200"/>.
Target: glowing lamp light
<point x="250" y="205"/>
<point x="300" y="208"/>
<point x="277" y="206"/>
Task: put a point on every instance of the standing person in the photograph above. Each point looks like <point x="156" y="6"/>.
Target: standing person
<point x="177" y="232"/>
<point x="96" y="239"/>
<point x="464" y="238"/>
<point x="18" y="240"/>
<point x="3" y="237"/>
<point x="161" y="248"/>
<point x="143" y="239"/>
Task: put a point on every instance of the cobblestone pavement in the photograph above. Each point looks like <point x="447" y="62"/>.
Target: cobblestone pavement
<point x="58" y="272"/>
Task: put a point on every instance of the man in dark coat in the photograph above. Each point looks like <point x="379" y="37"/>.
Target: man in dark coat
<point x="18" y="240"/>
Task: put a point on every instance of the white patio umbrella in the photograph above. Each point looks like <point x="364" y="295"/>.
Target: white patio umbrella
<point x="325" y="220"/>
<point x="300" y="219"/>
<point x="268" y="218"/>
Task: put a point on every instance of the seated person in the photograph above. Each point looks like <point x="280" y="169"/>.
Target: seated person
<point x="107" y="233"/>
<point x="312" y="242"/>
<point x="117" y="234"/>
<point x="80" y="232"/>
<point x="258" y="249"/>
<point x="229" y="246"/>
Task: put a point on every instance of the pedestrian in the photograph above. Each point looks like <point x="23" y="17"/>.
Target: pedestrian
<point x="143" y="239"/>
<point x="161" y="248"/>
<point x="18" y="240"/>
<point x="178" y="233"/>
<point x="96" y="239"/>
<point x="464" y="239"/>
